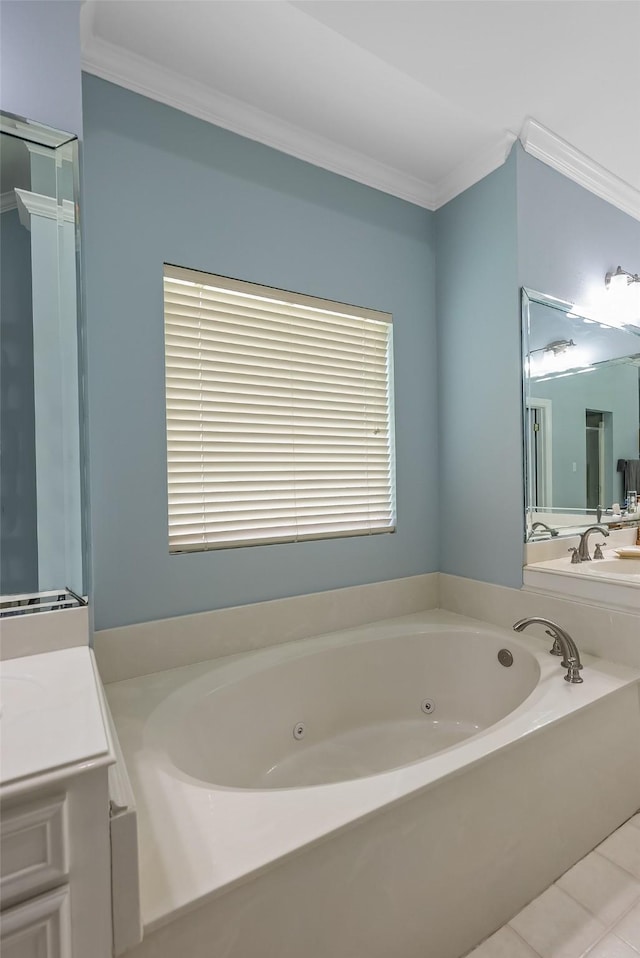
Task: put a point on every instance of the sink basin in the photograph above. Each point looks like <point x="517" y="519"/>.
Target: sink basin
<point x="614" y="567"/>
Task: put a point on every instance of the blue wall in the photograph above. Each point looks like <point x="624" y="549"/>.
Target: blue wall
<point x="523" y="225"/>
<point x="161" y="186"/>
<point x="480" y="438"/>
<point x="568" y="238"/>
<point x="203" y="197"/>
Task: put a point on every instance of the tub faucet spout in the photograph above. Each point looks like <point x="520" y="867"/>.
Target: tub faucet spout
<point x="563" y="645"/>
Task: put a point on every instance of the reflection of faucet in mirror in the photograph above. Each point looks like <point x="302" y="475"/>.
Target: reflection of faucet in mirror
<point x="543" y="525"/>
<point x="583" y="548"/>
<point x="563" y="645"/>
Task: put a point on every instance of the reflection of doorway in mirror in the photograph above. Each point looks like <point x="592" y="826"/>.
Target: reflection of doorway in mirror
<point x="538" y="442"/>
<point x="595" y="457"/>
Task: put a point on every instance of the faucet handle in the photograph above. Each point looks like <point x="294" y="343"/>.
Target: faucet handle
<point x="575" y="558"/>
<point x="555" y="648"/>
<point x="598" y="553"/>
<point x="573" y="673"/>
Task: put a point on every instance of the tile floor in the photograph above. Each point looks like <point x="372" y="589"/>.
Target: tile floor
<point x="592" y="911"/>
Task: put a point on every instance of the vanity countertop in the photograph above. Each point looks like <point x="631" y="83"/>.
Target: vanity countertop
<point x="613" y="581"/>
<point x="52" y="716"/>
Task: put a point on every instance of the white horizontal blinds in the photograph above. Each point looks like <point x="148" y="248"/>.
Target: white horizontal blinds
<point x="278" y="415"/>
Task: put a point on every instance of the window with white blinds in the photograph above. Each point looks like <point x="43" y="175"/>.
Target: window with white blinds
<point x="279" y="415"/>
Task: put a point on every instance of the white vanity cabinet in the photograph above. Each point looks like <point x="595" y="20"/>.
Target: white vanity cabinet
<point x="55" y="867"/>
<point x="39" y="928"/>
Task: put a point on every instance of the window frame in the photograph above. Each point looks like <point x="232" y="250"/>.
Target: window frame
<point x="315" y="319"/>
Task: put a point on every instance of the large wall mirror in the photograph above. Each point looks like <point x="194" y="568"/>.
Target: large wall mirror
<point x="40" y="491"/>
<point x="581" y="417"/>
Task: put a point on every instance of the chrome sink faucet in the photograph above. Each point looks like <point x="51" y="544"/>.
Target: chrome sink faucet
<point x="563" y="645"/>
<point x="583" y="548"/>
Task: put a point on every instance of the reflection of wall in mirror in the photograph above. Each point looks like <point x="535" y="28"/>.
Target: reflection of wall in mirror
<point x="40" y="528"/>
<point x="18" y="532"/>
<point x="612" y="390"/>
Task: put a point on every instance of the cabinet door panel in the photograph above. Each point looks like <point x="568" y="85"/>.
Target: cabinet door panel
<point x="33" y="848"/>
<point x="39" y="928"/>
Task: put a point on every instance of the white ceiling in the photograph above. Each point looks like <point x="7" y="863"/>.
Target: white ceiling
<point x="417" y="97"/>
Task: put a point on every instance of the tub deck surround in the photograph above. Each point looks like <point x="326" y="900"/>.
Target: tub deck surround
<point x="599" y="630"/>
<point x="147" y="647"/>
<point x="198" y="839"/>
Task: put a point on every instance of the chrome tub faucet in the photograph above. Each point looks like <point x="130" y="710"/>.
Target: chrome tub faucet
<point x="563" y="645"/>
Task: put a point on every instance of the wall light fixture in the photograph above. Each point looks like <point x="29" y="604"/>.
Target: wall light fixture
<point x="558" y="346"/>
<point x="622" y="295"/>
<point x="620" y="279"/>
<point x="553" y="359"/>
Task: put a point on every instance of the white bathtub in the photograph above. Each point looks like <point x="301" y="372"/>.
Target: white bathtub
<point x="432" y="793"/>
<point x="341" y="711"/>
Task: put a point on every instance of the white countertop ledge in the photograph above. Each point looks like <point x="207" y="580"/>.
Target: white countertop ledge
<point x="51" y="718"/>
<point x="586" y="581"/>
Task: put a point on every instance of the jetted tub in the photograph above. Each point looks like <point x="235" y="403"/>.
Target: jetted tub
<point x="390" y="790"/>
<point x="341" y="712"/>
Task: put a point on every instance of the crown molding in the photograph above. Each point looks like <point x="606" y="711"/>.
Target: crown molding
<point x="124" y="68"/>
<point x="8" y="201"/>
<point x="36" y="204"/>
<point x="474" y="169"/>
<point x="577" y="166"/>
<point x="136" y="73"/>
